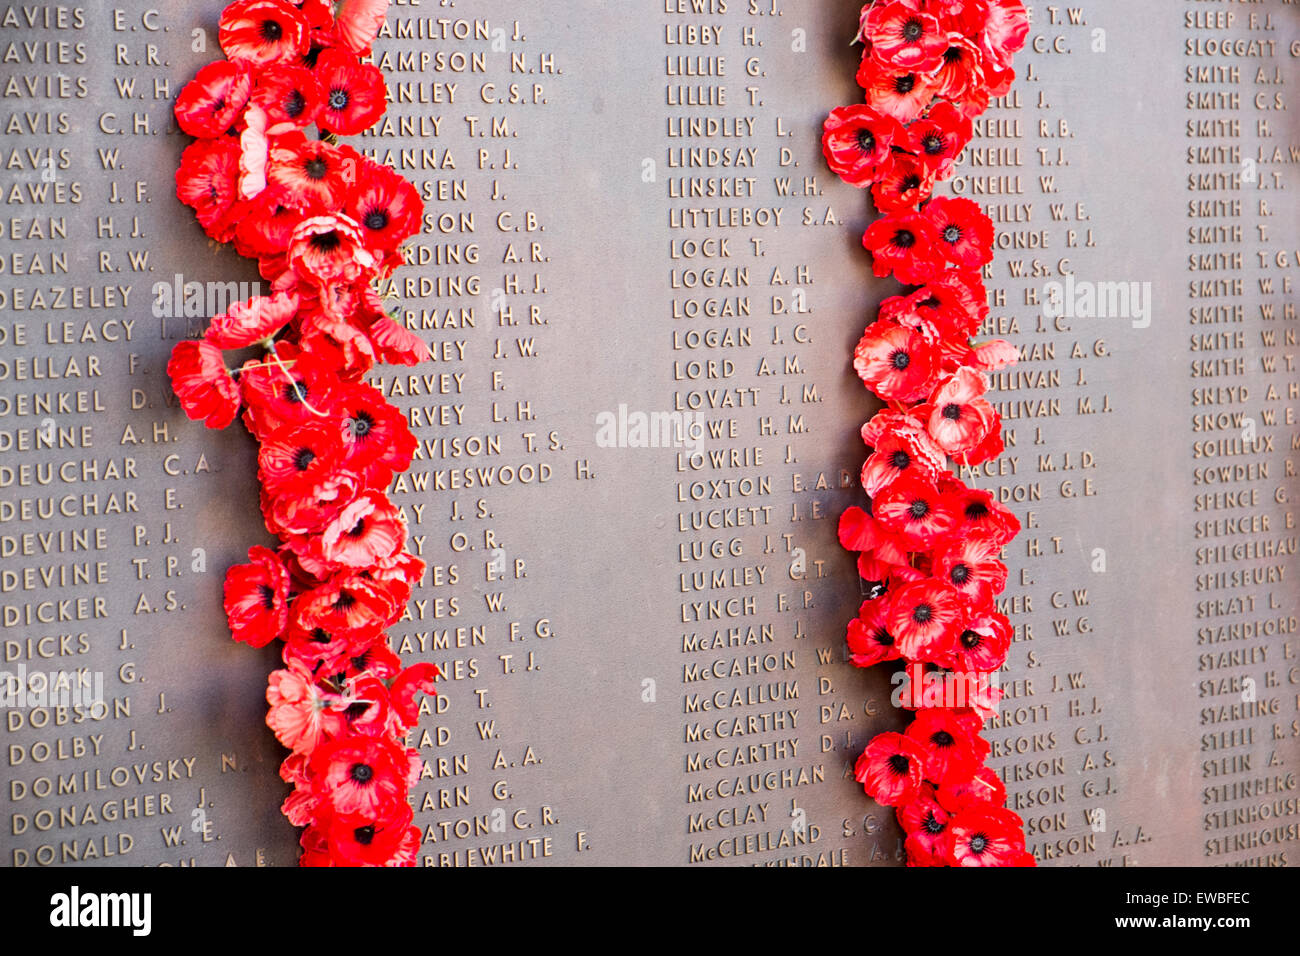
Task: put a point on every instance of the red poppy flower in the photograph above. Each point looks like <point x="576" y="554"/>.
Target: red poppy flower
<point x="286" y="386"/>
<point x="265" y="228"/>
<point x="375" y="436"/>
<point x="902" y="94"/>
<point x="983" y="644"/>
<point x="991" y="447"/>
<point x="397" y="576"/>
<point x="256" y="598"/>
<point x="856" y="529"/>
<point x="385" y="205"/>
<point x="992" y="355"/>
<point x="407" y="686"/>
<point x="358" y="22"/>
<point x="293" y="458"/>
<point x="210" y="104"/>
<point x="1005" y="30"/>
<point x="302" y="806"/>
<point x="888" y="422"/>
<point x="354" y="93"/>
<point x="952" y="752"/>
<point x="902" y="447"/>
<point x="368" y="839"/>
<point x="925" y="822"/>
<point x="367" y="531"/>
<point x="860" y="531"/>
<point x="312" y="174"/>
<point x="345" y="603"/>
<point x="879" y="577"/>
<point x="856" y="142"/>
<point x="954" y="299"/>
<point x="972" y="721"/>
<point x="896" y="574"/>
<point x="368" y="710"/>
<point x="874" y="575"/>
<point x="301" y="714"/>
<point x="254" y="148"/>
<point x="200" y="380"/>
<point x="896" y="363"/>
<point x="263" y="32"/>
<point x="903" y="37"/>
<point x="996" y="83"/>
<point x="326" y="250"/>
<point x="984" y="789"/>
<point x="918" y="850"/>
<point x="964" y="17"/>
<point x="970" y="564"/>
<point x="315" y="848"/>
<point x="394" y="344"/>
<point x="985" y="836"/>
<point x="869" y="639"/>
<point x="308" y="508"/>
<point x="324" y="652"/>
<point x="903" y="244"/>
<point x="208" y="181"/>
<point x="939" y="138"/>
<point x="337" y="341"/>
<point x="318" y="13"/>
<point x="982" y="693"/>
<point x="959" y="417"/>
<point x="963" y="234"/>
<point x="904" y="184"/>
<point x="290" y="97"/>
<point x="916" y="509"/>
<point x="962" y="69"/>
<point x="899" y="456"/>
<point x="924" y="617"/>
<point x="891" y="769"/>
<point x="378" y="660"/>
<point x="978" y="512"/>
<point x="251" y="321"/>
<point x="365" y="775"/>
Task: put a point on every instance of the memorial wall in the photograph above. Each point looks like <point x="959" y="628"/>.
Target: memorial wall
<point x="641" y="287"/>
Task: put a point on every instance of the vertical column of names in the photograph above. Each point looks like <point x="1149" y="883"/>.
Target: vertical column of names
<point x="466" y="97"/>
<point x="1242" y="261"/>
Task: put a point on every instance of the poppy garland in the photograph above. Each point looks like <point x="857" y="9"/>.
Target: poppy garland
<point x="928" y="545"/>
<point x="266" y="171"/>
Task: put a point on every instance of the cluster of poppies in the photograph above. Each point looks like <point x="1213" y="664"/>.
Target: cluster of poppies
<point x="267" y="173"/>
<point x="928" y="545"/>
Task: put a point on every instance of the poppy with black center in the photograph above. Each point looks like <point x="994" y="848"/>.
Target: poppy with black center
<point x="326" y="242"/>
<point x="261" y="33"/>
